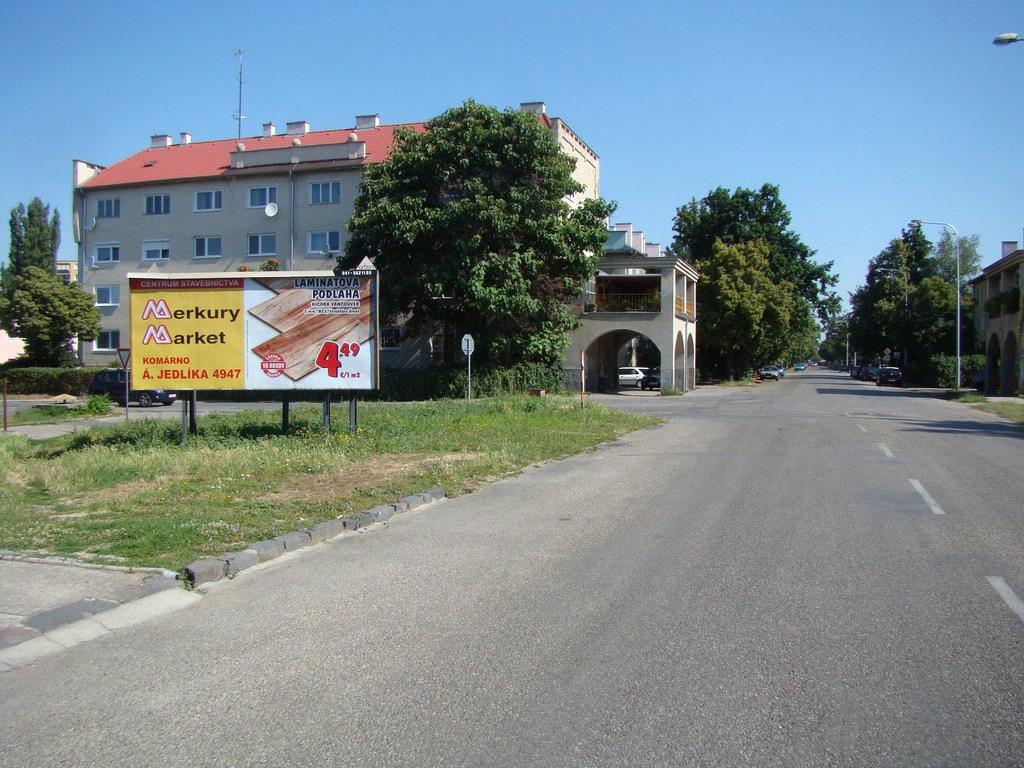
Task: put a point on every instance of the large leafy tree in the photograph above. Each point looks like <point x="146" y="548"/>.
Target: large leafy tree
<point x="745" y="316"/>
<point x="744" y="215"/>
<point x="47" y="314"/>
<point x="469" y="226"/>
<point x="35" y="239"/>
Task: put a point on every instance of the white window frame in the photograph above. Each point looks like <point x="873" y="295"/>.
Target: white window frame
<point x="164" y="209"/>
<point x="115" y="207"/>
<point x="216" y="200"/>
<point x="206" y="246"/>
<point x="147" y="245"/>
<point x="261" y="253"/>
<point x="330" y="184"/>
<point x="114" y="259"/>
<point x="96" y="343"/>
<point x="113" y="297"/>
<point x="327" y="241"/>
<point x="269" y="191"/>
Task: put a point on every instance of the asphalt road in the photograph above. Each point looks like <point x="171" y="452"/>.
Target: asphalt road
<point x="755" y="582"/>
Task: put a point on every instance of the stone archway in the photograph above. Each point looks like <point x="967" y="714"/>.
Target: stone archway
<point x="680" y="382"/>
<point x="604" y="356"/>
<point x="691" y="362"/>
<point x="1009" y="382"/>
<point x="992" y="365"/>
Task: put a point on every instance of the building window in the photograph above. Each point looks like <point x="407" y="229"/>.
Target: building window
<point x="437" y="347"/>
<point x="108" y="295"/>
<point x="158" y="204"/>
<point x="64" y="273"/>
<point x="261" y="196"/>
<point x="108" y="208"/>
<point x="156" y="250"/>
<point x="106" y="253"/>
<point x="209" y="201"/>
<point x="324" y="192"/>
<point x="107" y="341"/>
<point x="262" y="245"/>
<point x="208" y="247"/>
<point x="321" y="240"/>
<point x="390" y="337"/>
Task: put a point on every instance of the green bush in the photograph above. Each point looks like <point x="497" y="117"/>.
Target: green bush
<point x="48" y="381"/>
<point x="97" y="405"/>
<point x="450" y="382"/>
<point x="940" y="371"/>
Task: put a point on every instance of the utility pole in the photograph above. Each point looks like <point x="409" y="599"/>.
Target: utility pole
<point x="238" y="115"/>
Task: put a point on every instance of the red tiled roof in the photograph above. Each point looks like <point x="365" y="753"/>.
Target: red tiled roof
<point x="205" y="159"/>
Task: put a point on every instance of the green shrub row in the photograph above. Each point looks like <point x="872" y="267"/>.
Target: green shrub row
<point x="940" y="371"/>
<point x="48" y="381"/>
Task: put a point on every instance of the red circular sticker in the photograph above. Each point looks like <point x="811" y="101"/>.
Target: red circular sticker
<point x="273" y="365"/>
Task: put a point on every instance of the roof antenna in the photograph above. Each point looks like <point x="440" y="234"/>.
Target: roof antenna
<point x="238" y="115"/>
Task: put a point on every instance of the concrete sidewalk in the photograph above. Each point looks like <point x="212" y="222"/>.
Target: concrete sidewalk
<point x="38" y="596"/>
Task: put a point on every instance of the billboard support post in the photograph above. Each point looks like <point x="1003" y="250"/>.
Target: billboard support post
<point x="285" y="402"/>
<point x="184" y="421"/>
<point x="352" y="416"/>
<point x="327" y="414"/>
<point x="192" y="403"/>
<point x="124" y="354"/>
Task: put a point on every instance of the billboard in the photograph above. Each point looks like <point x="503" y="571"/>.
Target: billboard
<point x="254" y="330"/>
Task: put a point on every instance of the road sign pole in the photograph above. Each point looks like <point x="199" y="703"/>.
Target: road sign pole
<point x="124" y="354"/>
<point x="468" y="345"/>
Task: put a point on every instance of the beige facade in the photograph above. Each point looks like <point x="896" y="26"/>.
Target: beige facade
<point x="999" y="321"/>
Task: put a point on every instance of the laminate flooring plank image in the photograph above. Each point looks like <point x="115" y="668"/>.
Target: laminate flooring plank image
<point x="299" y="345"/>
<point x="288" y="309"/>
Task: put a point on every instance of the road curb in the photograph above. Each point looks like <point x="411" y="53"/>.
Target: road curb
<point x="208" y="571"/>
<point x="82" y="631"/>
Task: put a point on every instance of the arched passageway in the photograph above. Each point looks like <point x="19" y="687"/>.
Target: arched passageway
<point x="1010" y="380"/>
<point x="680" y="363"/>
<point x="613" y="350"/>
<point x="992" y="366"/>
<point x="691" y="362"/>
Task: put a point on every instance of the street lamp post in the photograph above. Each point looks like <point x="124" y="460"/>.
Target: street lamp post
<point x="956" y="245"/>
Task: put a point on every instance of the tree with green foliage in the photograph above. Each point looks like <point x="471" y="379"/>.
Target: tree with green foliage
<point x="746" y="215"/>
<point x="469" y="225"/>
<point x="47" y="314"/>
<point x="35" y="239"/>
<point x="833" y="346"/>
<point x="745" y="315"/>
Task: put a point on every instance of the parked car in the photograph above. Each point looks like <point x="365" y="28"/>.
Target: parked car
<point x="629" y="376"/>
<point x="799" y="367"/>
<point x="781" y="369"/>
<point x="651" y="379"/>
<point x="769" y="373"/>
<point x="110" y="382"/>
<point x="890" y="376"/>
<point x="871" y="373"/>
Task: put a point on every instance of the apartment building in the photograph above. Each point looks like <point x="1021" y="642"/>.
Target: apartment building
<point x="229" y="204"/>
<point x="998" y="321"/>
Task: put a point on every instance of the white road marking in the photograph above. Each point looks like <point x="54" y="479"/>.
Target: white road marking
<point x="1009" y="596"/>
<point x="888" y="454"/>
<point x="861" y="428"/>
<point x="847" y="414"/>
<point x="927" y="498"/>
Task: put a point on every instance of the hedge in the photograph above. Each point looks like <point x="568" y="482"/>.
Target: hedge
<point x="940" y="371"/>
<point x="48" y="381"/>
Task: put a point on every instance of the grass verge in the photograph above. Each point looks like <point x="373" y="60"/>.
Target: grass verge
<point x="95" y="407"/>
<point x="1011" y="411"/>
<point x="130" y="494"/>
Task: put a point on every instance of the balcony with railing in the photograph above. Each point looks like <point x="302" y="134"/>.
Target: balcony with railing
<point x="685" y="307"/>
<point x="623" y="293"/>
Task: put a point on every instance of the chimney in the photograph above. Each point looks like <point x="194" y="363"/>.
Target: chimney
<point x="363" y="122"/>
<point x="186" y="137"/>
<point x="537" y="107"/>
<point x="627" y="228"/>
<point x="298" y="127"/>
<point x="238" y="156"/>
<point x="269" y="129"/>
<point x="160" y="140"/>
<point x="653" y="250"/>
<point x="1009" y="246"/>
<point x="638" y="241"/>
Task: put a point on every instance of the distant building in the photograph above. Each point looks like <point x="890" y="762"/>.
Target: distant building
<point x="997" y="320"/>
<point x="197" y="206"/>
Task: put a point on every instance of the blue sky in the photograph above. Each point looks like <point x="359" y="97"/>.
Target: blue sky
<point x="866" y="114"/>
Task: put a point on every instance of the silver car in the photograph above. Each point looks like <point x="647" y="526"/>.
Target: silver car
<point x="630" y="375"/>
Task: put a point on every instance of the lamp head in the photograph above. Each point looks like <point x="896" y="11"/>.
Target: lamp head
<point x="1006" y="38"/>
